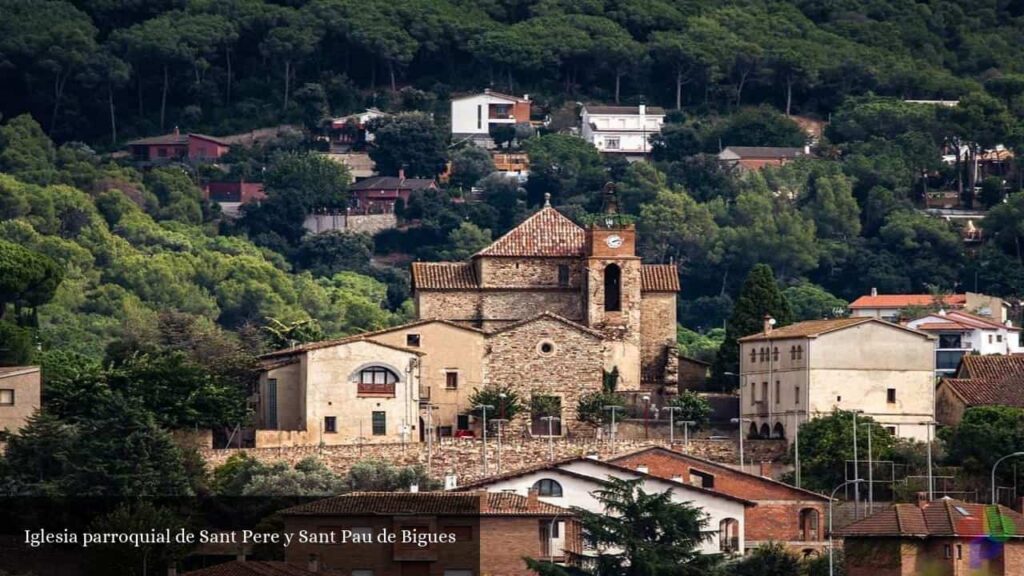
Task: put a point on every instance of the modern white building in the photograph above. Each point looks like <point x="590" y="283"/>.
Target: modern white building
<point x="573" y="482"/>
<point x="475" y="114"/>
<point x="958" y="333"/>
<point x="806" y="370"/>
<point x="623" y="130"/>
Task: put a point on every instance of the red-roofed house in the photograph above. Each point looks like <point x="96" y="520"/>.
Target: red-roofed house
<point x="890" y="306"/>
<point x="379" y="194"/>
<point x="980" y="381"/>
<point x="960" y="333"/>
<point x="941" y="538"/>
<point x="178" y="147"/>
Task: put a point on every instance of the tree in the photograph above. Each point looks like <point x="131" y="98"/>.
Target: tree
<point x="984" y="434"/>
<point x="759" y="297"/>
<point x="409" y="141"/>
<point x="505" y="402"/>
<point x="772" y="559"/>
<point x="502" y="134"/>
<point x="640" y="533"/>
<point x="675" y="142"/>
<point x="812" y="302"/>
<point x="309" y="477"/>
<point x="327" y="253"/>
<point x="699" y="346"/>
<point x="142" y="517"/>
<point x="675" y="228"/>
<point x="757" y="126"/>
<point x="590" y="409"/>
<point x="470" y="165"/>
<point x="694" y="408"/>
<point x="466" y="240"/>
<point x="826" y="444"/>
<point x="26" y="152"/>
<point x="287" y="44"/>
<point x="27" y="278"/>
<point x="376" y="475"/>
<point x="562" y="165"/>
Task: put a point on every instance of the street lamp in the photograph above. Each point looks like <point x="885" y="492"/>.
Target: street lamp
<point x="612" y="408"/>
<point x="994" y="500"/>
<point x="551" y="435"/>
<point x="931" y="480"/>
<point x="831" y="570"/>
<point x="647" y="406"/>
<point x="671" y="423"/>
<point x="500" y="420"/>
<point x="740" y="421"/>
<point x="483" y="452"/>
<point x="686" y="433"/>
<point x="430" y="435"/>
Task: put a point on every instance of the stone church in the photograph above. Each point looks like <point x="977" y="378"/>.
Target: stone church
<point x="546" y="309"/>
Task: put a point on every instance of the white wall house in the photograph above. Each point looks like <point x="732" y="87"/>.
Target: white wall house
<point x="473" y="115"/>
<point x="573" y="482"/>
<point x="622" y="129"/>
<point x="795" y="373"/>
<point x="958" y="333"/>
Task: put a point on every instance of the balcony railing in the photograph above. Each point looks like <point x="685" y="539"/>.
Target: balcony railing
<point x="376" y="389"/>
<point x="948" y="359"/>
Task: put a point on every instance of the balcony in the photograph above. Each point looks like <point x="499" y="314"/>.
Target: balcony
<point x="948" y="359"/>
<point x="376" y="389"/>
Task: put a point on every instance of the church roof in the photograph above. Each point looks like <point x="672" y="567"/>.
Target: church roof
<point x="546" y="234"/>
<point x="659" y="278"/>
<point x="443" y="276"/>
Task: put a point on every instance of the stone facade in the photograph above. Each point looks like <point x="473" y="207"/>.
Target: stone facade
<point x="19" y="396"/>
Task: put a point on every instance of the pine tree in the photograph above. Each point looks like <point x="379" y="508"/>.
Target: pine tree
<point x="760" y="296"/>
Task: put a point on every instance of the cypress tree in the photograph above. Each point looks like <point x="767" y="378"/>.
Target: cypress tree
<point x="760" y="295"/>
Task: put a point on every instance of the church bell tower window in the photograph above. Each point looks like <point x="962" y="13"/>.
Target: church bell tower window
<point x="612" y="288"/>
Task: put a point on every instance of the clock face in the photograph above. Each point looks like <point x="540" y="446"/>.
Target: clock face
<point x="613" y="241"/>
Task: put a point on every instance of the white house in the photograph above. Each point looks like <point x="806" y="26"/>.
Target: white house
<point x="891" y="306"/>
<point x="622" y="129"/>
<point x="959" y="333"/>
<point x="573" y="482"/>
<point x="475" y="114"/>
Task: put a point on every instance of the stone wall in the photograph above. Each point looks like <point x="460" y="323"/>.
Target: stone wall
<point x="365" y="223"/>
<point x="462" y="457"/>
<point x="528" y="272"/>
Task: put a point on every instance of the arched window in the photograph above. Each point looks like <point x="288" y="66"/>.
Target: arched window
<point x="753" y="431"/>
<point x="729" y="535"/>
<point x="792" y="352"/>
<point x="809" y="525"/>
<point x="376" y="380"/>
<point x="612" y="288"/>
<point x="548" y="487"/>
<point x="775" y="354"/>
<point x="800" y="352"/>
<point x="766" y="431"/>
<point x="753" y="355"/>
<point x="779" y="431"/>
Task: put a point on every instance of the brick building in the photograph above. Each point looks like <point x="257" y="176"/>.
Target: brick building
<point x="19" y="396"/>
<point x="940" y="538"/>
<point x="781" y="513"/>
<point x="179" y="147"/>
<point x="493" y="532"/>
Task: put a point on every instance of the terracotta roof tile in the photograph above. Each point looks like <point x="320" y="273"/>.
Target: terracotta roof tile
<point x="443" y="276"/>
<point x="255" y="568"/>
<point x="944" y="517"/>
<point x="546" y="233"/>
<point x="393" y="183"/>
<point x="659" y="278"/>
<point x="308" y="346"/>
<point x="813" y="328"/>
<point x="907" y="300"/>
<point x="992" y="366"/>
<point x="428" y="503"/>
<point x="988" y="391"/>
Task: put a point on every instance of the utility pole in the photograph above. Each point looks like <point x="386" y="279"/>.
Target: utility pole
<point x="686" y="433"/>
<point x="612" y="408"/>
<point x="671" y="424"/>
<point x="483" y="451"/>
<point x="856" y="470"/>
<point x="740" y="421"/>
<point x="430" y="436"/>
<point x="500" y="420"/>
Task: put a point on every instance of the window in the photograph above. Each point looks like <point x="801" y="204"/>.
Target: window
<point x="999" y="338"/>
<point x="778" y="391"/>
<point x="764" y="392"/>
<point x="839" y="398"/>
<point x="702" y="479"/>
<point x="800" y="352"/>
<point x="753" y="392"/>
<point x="891" y="430"/>
<point x="949" y="341"/>
<point x="763" y="354"/>
<point x="377" y="375"/>
<point x="959" y="552"/>
<point x="548" y="487"/>
<point x="612" y="288"/>
<point x="796" y="395"/>
<point x="161" y="152"/>
<point x="809" y="524"/>
<point x="890" y="395"/>
<point x="775" y="354"/>
<point x="462" y="422"/>
<point x="412" y="340"/>
<point x="563" y="275"/>
<point x="330" y="424"/>
<point x="451" y="380"/>
<point x="546" y="348"/>
<point x="753" y="355"/>
<point x="989" y="338"/>
<point x="947" y="551"/>
<point x="729" y="535"/>
<point x="792" y="352"/>
<point x="380" y="423"/>
<point x="479" y="117"/>
<point x="272" y="404"/>
<point x="611" y="143"/>
<point x="6" y="397"/>
<point x="555" y="529"/>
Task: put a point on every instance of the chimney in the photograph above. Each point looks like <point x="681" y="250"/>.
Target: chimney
<point x="414" y="488"/>
<point x="769" y="322"/>
<point x="526" y="97"/>
<point x="314" y="563"/>
<point x="922" y="500"/>
<point x="531" y="499"/>
<point x="642" y="108"/>
<point x="176" y="132"/>
<point x="643" y="469"/>
<point x="766" y="469"/>
<point x="874" y="291"/>
<point x="401" y="174"/>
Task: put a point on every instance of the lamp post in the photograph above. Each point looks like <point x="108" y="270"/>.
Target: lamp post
<point x="647" y="406"/>
<point x="686" y="433"/>
<point x="994" y="499"/>
<point x="796" y="448"/>
<point x="430" y="435"/>
<point x="612" y="409"/>
<point x="856" y="468"/>
<point x="671" y="424"/>
<point x="831" y="569"/>
<point x="931" y="480"/>
<point x="483" y="451"/>
<point x="500" y="420"/>
<point x="551" y="435"/>
<point x="740" y="421"/>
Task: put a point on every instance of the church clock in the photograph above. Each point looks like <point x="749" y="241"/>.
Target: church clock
<point x="613" y="241"/>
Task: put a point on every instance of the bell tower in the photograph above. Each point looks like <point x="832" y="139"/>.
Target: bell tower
<point x="613" y="288"/>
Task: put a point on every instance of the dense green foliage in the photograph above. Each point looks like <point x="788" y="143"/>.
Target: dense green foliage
<point x="826" y="446"/>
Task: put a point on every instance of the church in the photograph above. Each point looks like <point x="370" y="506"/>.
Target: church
<point x="545" y="310"/>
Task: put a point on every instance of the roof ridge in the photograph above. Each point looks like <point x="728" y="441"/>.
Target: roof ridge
<point x="535" y="245"/>
<point x="546" y="314"/>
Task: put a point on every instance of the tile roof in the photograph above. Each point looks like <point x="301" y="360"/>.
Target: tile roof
<point x="907" y="300"/>
<point x="8" y="371"/>
<point x="178" y="139"/>
<point x="988" y="391"/>
<point x="489" y="92"/>
<point x="940" y="518"/>
<point x="392" y="183"/>
<point x="428" y="503"/>
<point x="960" y="320"/>
<point x="815" y="328"/>
<point x="256" y="568"/>
<point x="992" y="366"/>
<point x="545" y="233"/>
<point x="623" y="109"/>
<point x="765" y="151"/>
<point x="309" y="346"/>
<point x="659" y="278"/>
<point x="706" y="462"/>
<point x="443" y="276"/>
